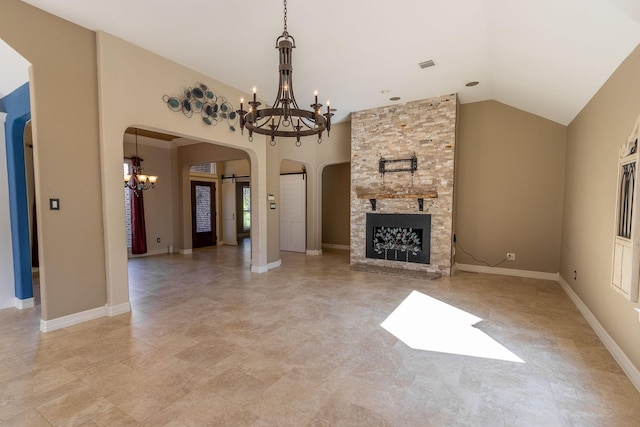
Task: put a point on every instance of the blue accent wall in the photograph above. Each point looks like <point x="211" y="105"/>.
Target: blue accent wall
<point x="18" y="109"/>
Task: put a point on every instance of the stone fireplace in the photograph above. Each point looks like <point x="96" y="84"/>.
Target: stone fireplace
<point x="402" y="165"/>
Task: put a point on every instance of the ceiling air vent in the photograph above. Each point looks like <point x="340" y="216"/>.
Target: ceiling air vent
<point x="427" y="64"/>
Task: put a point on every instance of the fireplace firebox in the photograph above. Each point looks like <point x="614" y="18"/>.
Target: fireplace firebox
<point x="399" y="237"/>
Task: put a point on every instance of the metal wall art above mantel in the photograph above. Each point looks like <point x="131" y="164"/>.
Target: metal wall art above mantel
<point x="212" y="108"/>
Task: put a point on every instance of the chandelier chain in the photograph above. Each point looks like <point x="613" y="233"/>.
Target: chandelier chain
<point x="285" y="18"/>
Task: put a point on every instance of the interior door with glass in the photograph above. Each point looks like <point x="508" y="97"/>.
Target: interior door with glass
<point x="203" y="214"/>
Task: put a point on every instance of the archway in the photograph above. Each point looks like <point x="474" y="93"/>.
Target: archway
<point x="336" y="182"/>
<point x="168" y="206"/>
<point x="16" y="288"/>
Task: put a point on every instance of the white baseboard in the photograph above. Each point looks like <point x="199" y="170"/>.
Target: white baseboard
<point x="23" y="303"/>
<point x="148" y="253"/>
<point x="265" y="268"/>
<point x="185" y="251"/>
<point x="332" y="246"/>
<point x="507" y="272"/>
<point x="314" y="252"/>
<point x="274" y="264"/>
<point x="454" y="268"/>
<point x="116" y="310"/>
<point x="632" y="372"/>
<point x="83" y="316"/>
<point x="259" y="268"/>
<point x="72" y="319"/>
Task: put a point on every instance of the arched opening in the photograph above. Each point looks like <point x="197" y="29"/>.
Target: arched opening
<point x="336" y="183"/>
<point x="16" y="214"/>
<point x="179" y="162"/>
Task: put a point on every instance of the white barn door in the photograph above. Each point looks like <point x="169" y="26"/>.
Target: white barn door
<point x="293" y="213"/>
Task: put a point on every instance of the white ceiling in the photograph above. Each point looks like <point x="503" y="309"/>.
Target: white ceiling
<point x="547" y="57"/>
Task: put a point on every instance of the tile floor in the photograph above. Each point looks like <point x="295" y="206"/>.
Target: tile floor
<point x="209" y="343"/>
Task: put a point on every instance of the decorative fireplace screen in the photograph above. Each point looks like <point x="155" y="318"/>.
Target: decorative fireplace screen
<point x="399" y="237"/>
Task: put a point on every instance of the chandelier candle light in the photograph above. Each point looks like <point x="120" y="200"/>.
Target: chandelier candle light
<point x="138" y="180"/>
<point x="285" y="118"/>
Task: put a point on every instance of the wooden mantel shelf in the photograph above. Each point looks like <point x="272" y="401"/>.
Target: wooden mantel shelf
<point x="421" y="194"/>
<point x="418" y="195"/>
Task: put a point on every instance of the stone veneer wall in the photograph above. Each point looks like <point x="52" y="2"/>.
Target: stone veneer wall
<point x="428" y="129"/>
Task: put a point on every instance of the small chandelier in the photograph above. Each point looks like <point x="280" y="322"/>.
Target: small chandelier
<point x="138" y="180"/>
<point x="285" y="118"/>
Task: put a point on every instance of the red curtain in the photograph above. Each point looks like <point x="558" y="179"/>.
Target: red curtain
<point x="138" y="231"/>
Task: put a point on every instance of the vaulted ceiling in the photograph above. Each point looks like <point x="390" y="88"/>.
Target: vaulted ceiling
<point x="547" y="57"/>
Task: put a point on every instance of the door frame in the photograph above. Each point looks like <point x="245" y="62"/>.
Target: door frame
<point x="199" y="241"/>
<point x="241" y="232"/>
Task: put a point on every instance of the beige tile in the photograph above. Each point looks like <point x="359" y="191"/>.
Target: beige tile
<point x="290" y="401"/>
<point x="114" y="416"/>
<point x="17" y="399"/>
<point x="209" y="343"/>
<point x="12" y="367"/>
<point x="30" y="418"/>
<point x="74" y="408"/>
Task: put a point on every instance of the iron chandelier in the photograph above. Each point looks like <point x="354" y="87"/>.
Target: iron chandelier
<point x="285" y="118"/>
<point x="137" y="180"/>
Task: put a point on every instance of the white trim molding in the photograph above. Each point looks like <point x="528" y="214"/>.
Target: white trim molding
<point x="83" y="316"/>
<point x="72" y="319"/>
<point x="185" y="251"/>
<point x="148" y="253"/>
<point x="265" y="268"/>
<point x="507" y="272"/>
<point x="116" y="310"/>
<point x="627" y="366"/>
<point x="314" y="252"/>
<point x="22" y="304"/>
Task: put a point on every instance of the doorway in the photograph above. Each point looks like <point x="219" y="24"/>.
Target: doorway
<point x="293" y="213"/>
<point x="203" y="214"/>
<point x="243" y="207"/>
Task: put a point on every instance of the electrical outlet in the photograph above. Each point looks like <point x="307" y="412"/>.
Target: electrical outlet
<point x="575" y="274"/>
<point x="158" y="240"/>
<point x="511" y="256"/>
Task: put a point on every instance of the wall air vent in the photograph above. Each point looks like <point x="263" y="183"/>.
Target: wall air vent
<point x="427" y="64"/>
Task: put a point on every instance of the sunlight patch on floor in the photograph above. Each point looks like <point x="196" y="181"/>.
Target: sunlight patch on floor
<point x="425" y="323"/>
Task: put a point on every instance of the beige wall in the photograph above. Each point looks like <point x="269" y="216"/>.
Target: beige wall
<point x="336" y="183"/>
<point x="237" y="168"/>
<point x="65" y="130"/>
<point x="289" y="166"/>
<point x="594" y="139"/>
<point x="509" y="188"/>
